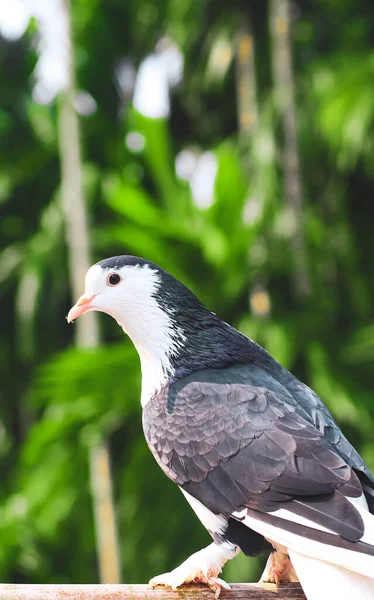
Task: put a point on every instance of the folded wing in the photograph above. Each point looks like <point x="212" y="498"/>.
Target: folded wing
<point x="245" y="451"/>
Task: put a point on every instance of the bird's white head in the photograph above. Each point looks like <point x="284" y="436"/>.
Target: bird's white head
<point x="171" y="329"/>
<point x="128" y="289"/>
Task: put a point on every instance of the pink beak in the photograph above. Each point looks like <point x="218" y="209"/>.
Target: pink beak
<point x="82" y="305"/>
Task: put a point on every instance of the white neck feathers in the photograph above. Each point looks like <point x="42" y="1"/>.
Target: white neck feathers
<point x="153" y="333"/>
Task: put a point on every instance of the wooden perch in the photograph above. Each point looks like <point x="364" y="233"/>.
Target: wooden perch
<point x="239" y="591"/>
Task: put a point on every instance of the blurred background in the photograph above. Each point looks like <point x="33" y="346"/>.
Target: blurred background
<point x="233" y="144"/>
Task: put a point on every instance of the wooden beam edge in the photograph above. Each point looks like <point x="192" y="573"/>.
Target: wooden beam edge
<point x="239" y="591"/>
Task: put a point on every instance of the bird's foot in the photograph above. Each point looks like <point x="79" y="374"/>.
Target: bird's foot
<point x="175" y="580"/>
<point x="202" y="567"/>
<point x="215" y="583"/>
<point x="279" y="569"/>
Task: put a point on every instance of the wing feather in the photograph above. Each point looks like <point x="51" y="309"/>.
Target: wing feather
<point x="233" y="445"/>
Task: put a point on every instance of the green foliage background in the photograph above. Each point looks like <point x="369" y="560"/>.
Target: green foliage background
<point x="56" y="402"/>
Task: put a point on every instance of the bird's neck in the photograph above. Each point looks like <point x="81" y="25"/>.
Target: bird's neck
<point x="216" y="346"/>
<point x="174" y="339"/>
<point x="156" y="372"/>
<point x="179" y="352"/>
<point x="157" y="341"/>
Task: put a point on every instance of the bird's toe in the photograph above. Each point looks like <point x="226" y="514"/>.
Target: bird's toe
<point x="169" y="580"/>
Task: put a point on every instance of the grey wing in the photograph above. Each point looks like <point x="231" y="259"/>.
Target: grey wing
<point x="320" y="416"/>
<point x="314" y="410"/>
<point x="324" y="422"/>
<point x="233" y="445"/>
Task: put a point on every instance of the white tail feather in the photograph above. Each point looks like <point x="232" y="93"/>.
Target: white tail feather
<point x="317" y="564"/>
<point x="324" y="581"/>
<point x="348" y="559"/>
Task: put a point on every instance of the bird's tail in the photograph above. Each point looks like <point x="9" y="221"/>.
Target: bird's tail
<point x="324" y="581"/>
<point x="327" y="565"/>
<point x="351" y="578"/>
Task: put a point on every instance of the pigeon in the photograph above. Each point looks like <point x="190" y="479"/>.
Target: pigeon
<point x="255" y="452"/>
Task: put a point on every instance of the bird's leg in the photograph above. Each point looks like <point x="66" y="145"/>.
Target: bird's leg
<point x="279" y="569"/>
<point x="201" y="567"/>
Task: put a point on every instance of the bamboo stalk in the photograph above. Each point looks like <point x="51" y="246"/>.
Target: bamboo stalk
<point x="247" y="109"/>
<point x="285" y="97"/>
<point x="244" y="591"/>
<point x="246" y="80"/>
<point x="87" y="331"/>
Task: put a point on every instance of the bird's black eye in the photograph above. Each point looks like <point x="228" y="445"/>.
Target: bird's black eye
<point x="114" y="279"/>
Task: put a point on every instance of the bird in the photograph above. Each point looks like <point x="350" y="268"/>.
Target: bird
<point x="255" y="452"/>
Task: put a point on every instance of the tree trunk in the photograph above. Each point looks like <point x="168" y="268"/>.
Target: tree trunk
<point x="284" y="95"/>
<point x="248" y="122"/>
<point x="246" y="80"/>
<point x="86" y="332"/>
